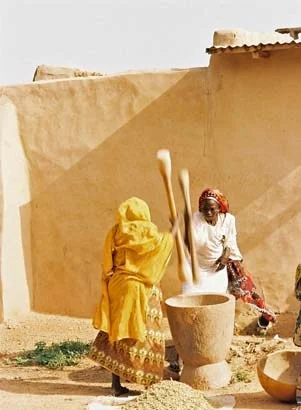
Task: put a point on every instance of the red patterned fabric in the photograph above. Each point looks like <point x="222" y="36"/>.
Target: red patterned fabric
<point x="216" y="195"/>
<point x="242" y="287"/>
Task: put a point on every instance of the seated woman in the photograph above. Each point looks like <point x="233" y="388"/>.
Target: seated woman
<point x="219" y="258"/>
<point x="130" y="343"/>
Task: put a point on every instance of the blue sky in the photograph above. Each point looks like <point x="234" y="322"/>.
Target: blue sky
<point x="117" y="35"/>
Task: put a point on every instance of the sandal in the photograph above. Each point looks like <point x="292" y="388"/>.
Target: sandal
<point x="174" y="367"/>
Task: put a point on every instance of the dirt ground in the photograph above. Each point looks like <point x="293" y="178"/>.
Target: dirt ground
<point x="38" y="388"/>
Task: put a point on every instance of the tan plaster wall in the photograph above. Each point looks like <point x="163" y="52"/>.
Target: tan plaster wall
<point x="91" y="143"/>
<point x="15" y="281"/>
<point x="255" y="143"/>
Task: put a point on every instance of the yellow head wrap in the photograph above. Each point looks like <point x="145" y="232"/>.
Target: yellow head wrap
<point x="135" y="230"/>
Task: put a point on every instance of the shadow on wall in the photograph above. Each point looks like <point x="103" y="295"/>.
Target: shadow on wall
<point x="70" y="218"/>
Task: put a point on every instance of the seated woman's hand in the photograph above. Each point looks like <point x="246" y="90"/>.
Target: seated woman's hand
<point x="222" y="261"/>
<point x="220" y="264"/>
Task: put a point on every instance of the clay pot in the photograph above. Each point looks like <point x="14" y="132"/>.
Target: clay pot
<point x="278" y="373"/>
<point x="202" y="329"/>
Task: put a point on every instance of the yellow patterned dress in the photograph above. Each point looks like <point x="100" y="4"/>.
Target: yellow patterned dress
<point x="130" y="342"/>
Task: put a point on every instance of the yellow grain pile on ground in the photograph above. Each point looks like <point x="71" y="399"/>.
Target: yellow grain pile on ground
<point x="169" y="395"/>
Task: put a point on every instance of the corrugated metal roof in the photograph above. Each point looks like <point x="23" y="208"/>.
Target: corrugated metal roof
<point x="241" y="41"/>
<point x="252" y="48"/>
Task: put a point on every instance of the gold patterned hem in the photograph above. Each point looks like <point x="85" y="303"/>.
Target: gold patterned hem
<point x="135" y="361"/>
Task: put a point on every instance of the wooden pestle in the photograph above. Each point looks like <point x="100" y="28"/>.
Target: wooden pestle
<point x="184" y="184"/>
<point x="184" y="269"/>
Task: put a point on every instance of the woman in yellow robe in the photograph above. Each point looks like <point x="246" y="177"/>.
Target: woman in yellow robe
<point x="130" y="343"/>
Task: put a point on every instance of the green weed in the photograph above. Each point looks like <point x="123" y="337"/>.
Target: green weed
<point x="54" y="356"/>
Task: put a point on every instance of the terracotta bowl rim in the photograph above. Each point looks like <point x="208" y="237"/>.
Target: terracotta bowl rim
<point x="264" y="358"/>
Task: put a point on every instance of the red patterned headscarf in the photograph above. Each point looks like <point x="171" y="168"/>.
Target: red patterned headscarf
<point x="217" y="196"/>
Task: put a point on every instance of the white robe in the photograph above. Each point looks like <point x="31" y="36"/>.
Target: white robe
<point x="210" y="241"/>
